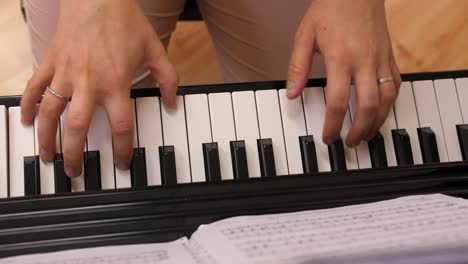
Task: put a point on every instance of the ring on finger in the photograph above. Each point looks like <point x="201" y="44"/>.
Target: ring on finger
<point x="56" y="94"/>
<point x="385" y="80"/>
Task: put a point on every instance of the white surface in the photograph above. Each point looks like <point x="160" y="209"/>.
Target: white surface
<point x="428" y="113"/>
<point x="21" y="140"/>
<point x="350" y="153"/>
<point x="3" y="153"/>
<point x="393" y="227"/>
<point x="407" y="118"/>
<point x="292" y="113"/>
<point x="150" y="135"/>
<point x="245" y="118"/>
<point x="223" y="130"/>
<point x="199" y="132"/>
<point x="46" y="169"/>
<point x="362" y="149"/>
<point x="158" y="253"/>
<point x="386" y="131"/>
<point x="175" y="134"/>
<point x="315" y="109"/>
<point x="462" y="90"/>
<point x="450" y="115"/>
<point x="269" y="118"/>
<point x="123" y="177"/>
<point x="100" y="139"/>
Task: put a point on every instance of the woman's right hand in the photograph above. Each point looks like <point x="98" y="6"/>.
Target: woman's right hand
<point x="98" y="46"/>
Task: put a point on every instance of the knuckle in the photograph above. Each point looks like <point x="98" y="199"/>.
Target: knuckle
<point x="368" y="106"/>
<point x="49" y="110"/>
<point x="122" y="127"/>
<point x="76" y="122"/>
<point x="338" y="107"/>
<point x="294" y="69"/>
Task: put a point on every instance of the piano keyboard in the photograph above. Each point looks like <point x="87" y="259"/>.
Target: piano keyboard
<point x="241" y="131"/>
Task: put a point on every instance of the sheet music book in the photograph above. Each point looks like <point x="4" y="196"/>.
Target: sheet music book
<point x="423" y="229"/>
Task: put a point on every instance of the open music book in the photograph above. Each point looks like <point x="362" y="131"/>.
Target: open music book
<point x="413" y="229"/>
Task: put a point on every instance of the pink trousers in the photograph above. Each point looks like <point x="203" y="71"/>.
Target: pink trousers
<point x="253" y="38"/>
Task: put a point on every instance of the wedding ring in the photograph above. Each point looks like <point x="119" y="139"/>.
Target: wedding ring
<point x="384" y="80"/>
<point x="54" y="93"/>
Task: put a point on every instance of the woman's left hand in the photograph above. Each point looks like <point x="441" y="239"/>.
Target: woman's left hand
<point x="353" y="38"/>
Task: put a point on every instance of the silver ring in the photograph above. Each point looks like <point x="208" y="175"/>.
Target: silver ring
<point x="385" y="80"/>
<point x="54" y="93"/>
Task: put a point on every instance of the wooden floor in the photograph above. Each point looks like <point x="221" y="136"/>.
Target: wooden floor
<point x="428" y="35"/>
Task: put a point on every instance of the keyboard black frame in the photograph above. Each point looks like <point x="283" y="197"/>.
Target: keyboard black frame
<point x="164" y="213"/>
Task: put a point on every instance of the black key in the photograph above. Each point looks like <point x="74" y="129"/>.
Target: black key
<point x="337" y="156"/>
<point x="462" y="131"/>
<point x="92" y="171"/>
<point x="32" y="176"/>
<point x="378" y="154"/>
<point x="239" y="159"/>
<point x="266" y="157"/>
<point x="402" y="144"/>
<point x="168" y="165"/>
<point x="211" y="160"/>
<point x="62" y="181"/>
<point x="138" y="168"/>
<point x="308" y="154"/>
<point x="428" y="143"/>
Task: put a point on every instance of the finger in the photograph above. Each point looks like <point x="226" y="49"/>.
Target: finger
<point x="367" y="100"/>
<point x="396" y="76"/>
<point x="387" y="96"/>
<point x="337" y="101"/>
<point x="79" y="116"/>
<point x="163" y="72"/>
<point x="33" y="91"/>
<point x="120" y="112"/>
<point x="301" y="59"/>
<point x="50" y="109"/>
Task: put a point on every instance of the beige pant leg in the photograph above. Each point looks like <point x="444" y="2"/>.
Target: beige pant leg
<point x="42" y="18"/>
<point x="254" y="38"/>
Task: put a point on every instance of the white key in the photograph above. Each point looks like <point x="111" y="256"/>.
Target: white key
<point x="175" y="134"/>
<point x="269" y="119"/>
<point x="350" y="153"/>
<point x="46" y="168"/>
<point x="428" y="113"/>
<point x="407" y="118"/>
<point x="77" y="183"/>
<point x="3" y="153"/>
<point x="222" y="127"/>
<point x="123" y="177"/>
<point x="450" y="115"/>
<point x="245" y="115"/>
<point x="386" y="131"/>
<point x="21" y="145"/>
<point x="100" y="139"/>
<point x="362" y="149"/>
<point x="294" y="126"/>
<point x="199" y="132"/>
<point x="150" y="135"/>
<point x="315" y="109"/>
<point x="462" y="89"/>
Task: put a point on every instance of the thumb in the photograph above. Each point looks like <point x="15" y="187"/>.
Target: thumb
<point x="301" y="59"/>
<point x="163" y="72"/>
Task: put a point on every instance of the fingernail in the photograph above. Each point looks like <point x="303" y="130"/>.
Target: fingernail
<point x="122" y="165"/>
<point x="353" y="144"/>
<point x="71" y="172"/>
<point x="290" y="88"/>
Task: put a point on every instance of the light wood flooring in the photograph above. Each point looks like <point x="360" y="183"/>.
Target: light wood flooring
<point x="428" y="35"/>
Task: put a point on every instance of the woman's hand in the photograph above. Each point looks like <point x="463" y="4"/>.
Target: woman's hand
<point x="98" y="46"/>
<point x="353" y="38"/>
